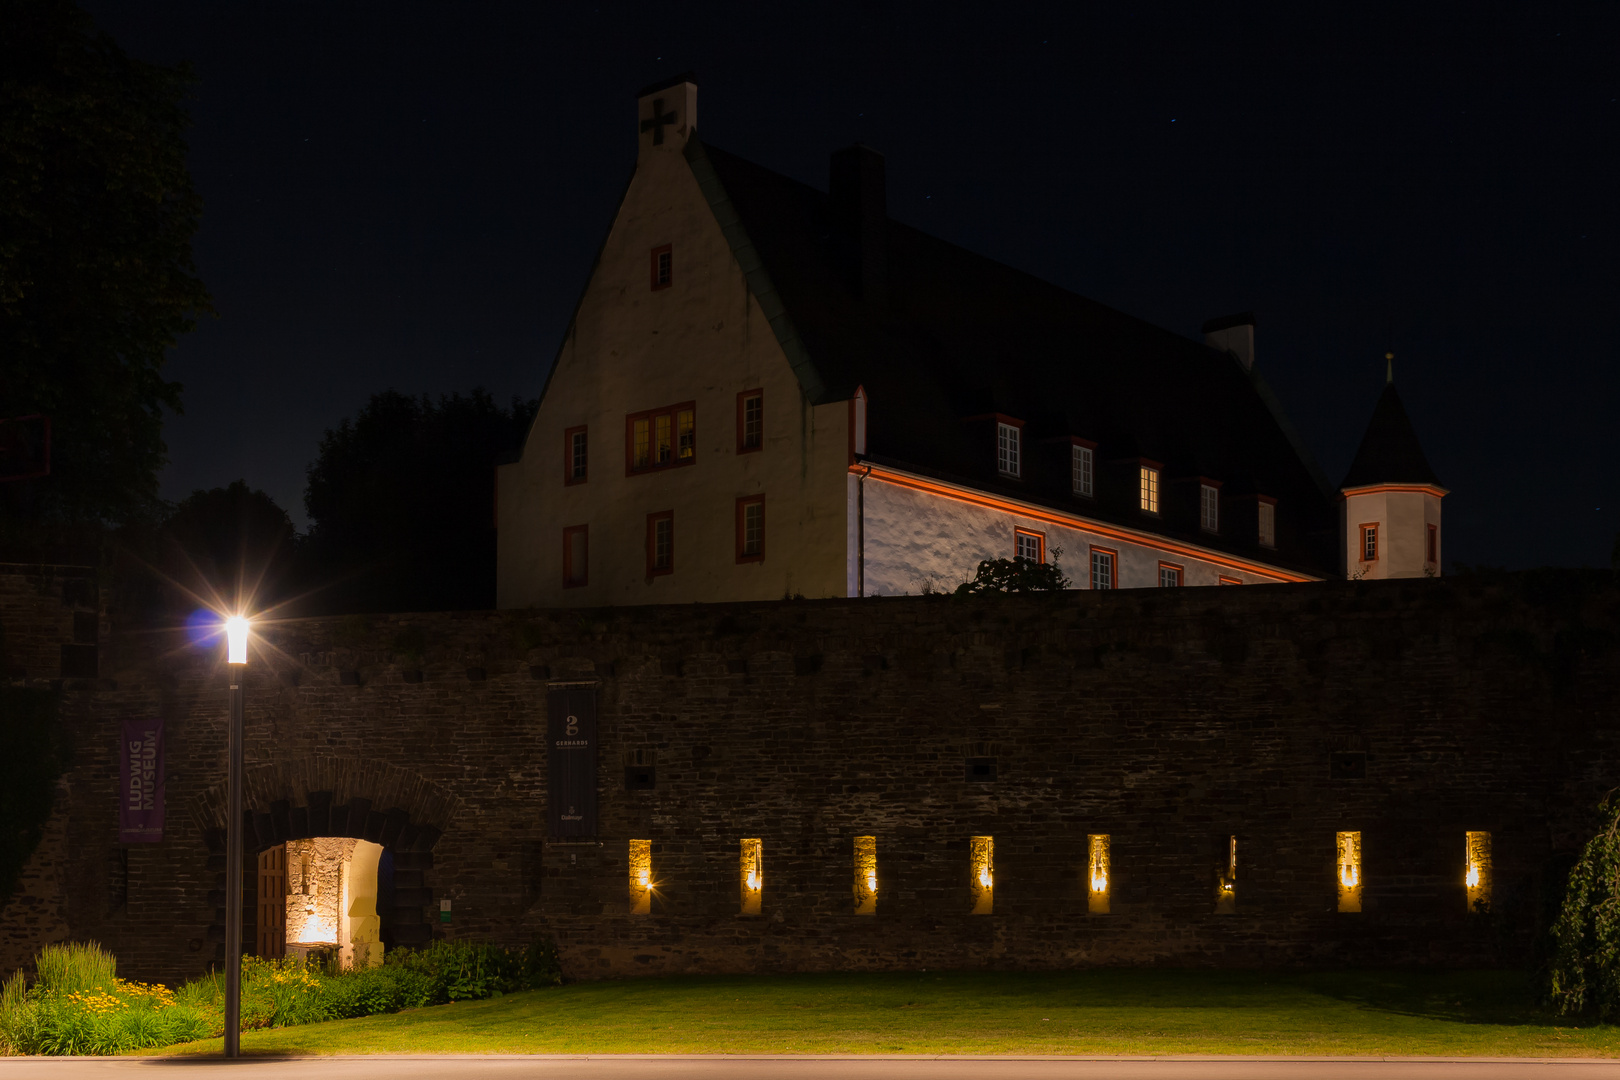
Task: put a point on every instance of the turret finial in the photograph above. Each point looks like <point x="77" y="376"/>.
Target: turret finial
<point x="1389" y="368"/>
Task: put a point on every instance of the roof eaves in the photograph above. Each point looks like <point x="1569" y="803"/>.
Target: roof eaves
<point x="754" y="272"/>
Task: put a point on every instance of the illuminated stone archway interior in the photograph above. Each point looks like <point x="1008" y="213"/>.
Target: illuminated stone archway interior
<point x="332" y="900"/>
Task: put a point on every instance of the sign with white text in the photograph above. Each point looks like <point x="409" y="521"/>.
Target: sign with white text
<point x="140" y="788"/>
<point x="571" y="757"/>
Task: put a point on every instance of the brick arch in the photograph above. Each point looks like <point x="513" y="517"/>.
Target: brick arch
<point x="349" y="797"/>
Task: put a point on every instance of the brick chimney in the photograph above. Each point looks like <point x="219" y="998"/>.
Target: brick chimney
<point x="666" y="115"/>
<point x="860" y="212"/>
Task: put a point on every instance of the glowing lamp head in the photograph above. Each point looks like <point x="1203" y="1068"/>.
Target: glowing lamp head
<point x="753" y="881"/>
<point x="984" y="877"/>
<point x="646" y="879"/>
<point x="236" y="636"/>
<point x="1473" y="877"/>
<point x="871" y="883"/>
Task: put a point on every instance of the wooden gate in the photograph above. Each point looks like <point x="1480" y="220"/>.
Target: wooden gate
<point x="272" y="912"/>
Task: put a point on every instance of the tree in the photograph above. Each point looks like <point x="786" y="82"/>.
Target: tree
<point x="401" y="502"/>
<point x="1017" y="574"/>
<point x="1585" y="970"/>
<point x="230" y="545"/>
<point x="97" y="213"/>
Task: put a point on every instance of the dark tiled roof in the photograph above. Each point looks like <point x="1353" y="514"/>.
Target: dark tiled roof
<point x="1390" y="452"/>
<point x="960" y="335"/>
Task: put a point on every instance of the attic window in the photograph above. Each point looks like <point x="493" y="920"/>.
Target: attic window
<point x="661" y="438"/>
<point x="1149" y="486"/>
<point x="1268" y="524"/>
<point x="1081" y="467"/>
<point x="663" y="267"/>
<point x="1209" y="507"/>
<point x="575" y="455"/>
<point x="1008" y="447"/>
<point x="750" y="420"/>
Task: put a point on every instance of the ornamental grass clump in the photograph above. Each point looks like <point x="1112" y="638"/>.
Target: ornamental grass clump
<point x="78" y="1005"/>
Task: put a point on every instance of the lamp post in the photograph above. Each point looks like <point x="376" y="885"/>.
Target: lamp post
<point x="236" y="633"/>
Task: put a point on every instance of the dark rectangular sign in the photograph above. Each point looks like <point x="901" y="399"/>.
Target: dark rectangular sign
<point x="571" y="750"/>
<point x="140" y="786"/>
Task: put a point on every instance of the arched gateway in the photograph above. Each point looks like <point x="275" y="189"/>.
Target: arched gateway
<point x="346" y="804"/>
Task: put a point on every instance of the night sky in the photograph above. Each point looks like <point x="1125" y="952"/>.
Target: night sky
<point x="410" y="196"/>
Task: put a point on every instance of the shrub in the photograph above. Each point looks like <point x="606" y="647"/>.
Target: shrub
<point x="1584" y="976"/>
<point x="1017" y="574"/>
<point x="468" y="971"/>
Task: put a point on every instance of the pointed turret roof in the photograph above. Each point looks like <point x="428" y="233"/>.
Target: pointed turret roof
<point x="1390" y="452"/>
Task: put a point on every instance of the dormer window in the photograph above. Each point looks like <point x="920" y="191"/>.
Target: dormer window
<point x="1009" y="449"/>
<point x="1209" y="507"/>
<point x="1148" y="480"/>
<point x="1268" y="524"/>
<point x="1081" y="471"/>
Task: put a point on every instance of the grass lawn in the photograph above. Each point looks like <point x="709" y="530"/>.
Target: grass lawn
<point x="1099" y="1011"/>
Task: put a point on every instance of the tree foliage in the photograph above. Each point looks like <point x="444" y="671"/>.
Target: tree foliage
<point x="232" y="543"/>
<point x="1585" y="969"/>
<point x="33" y="752"/>
<point x="401" y="502"/>
<point x="1017" y="574"/>
<point x="97" y="212"/>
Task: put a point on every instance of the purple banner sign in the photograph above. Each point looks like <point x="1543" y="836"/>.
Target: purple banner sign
<point x="140" y="791"/>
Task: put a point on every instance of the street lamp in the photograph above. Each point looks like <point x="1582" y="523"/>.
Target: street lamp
<point x="236" y="636"/>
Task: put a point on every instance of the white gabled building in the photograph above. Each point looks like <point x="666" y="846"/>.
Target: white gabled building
<point x="771" y="390"/>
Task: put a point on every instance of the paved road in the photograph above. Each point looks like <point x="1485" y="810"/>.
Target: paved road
<point x="727" y="1067"/>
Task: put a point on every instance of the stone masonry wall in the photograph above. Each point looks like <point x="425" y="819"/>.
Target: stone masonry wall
<point x="1170" y="720"/>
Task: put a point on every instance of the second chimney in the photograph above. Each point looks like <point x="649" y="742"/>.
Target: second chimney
<point x="1233" y="334"/>
<point x="860" y="211"/>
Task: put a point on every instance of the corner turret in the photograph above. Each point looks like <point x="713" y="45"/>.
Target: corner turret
<point x="1389" y="503"/>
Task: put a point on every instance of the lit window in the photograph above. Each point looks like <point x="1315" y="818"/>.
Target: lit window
<point x="660" y="543"/>
<point x="750" y="420"/>
<point x="1102" y="569"/>
<point x="866" y="878"/>
<point x="1007" y="450"/>
<point x="661" y="438"/>
<point x="1434" y="543"/>
<point x="1369" y="543"/>
<point x="686" y="432"/>
<point x="752" y="874"/>
<point x="1029" y="545"/>
<point x="983" y="884"/>
<point x="1268" y="525"/>
<point x="751" y="529"/>
<point x="1150" y="490"/>
<point x="576" y="553"/>
<point x="663" y="265"/>
<point x="1080" y="464"/>
<point x="1226" y="881"/>
<point x="1099" y="869"/>
<point x="1349" y="847"/>
<point x="1209" y="507"/>
<point x="641" y="880"/>
<point x="1169" y="576"/>
<point x="575" y="452"/>
<point x="1477" y="872"/>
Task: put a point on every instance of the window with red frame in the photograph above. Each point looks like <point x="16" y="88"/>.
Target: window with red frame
<point x="661" y="543"/>
<point x="660" y="438"/>
<point x="751" y="529"/>
<point x="1369" y="543"/>
<point x="663" y="266"/>
<point x="1029" y="545"/>
<point x="1169" y="576"/>
<point x="575" y="458"/>
<point x="576" y="556"/>
<point x="1104" y="568"/>
<point x="750" y="420"/>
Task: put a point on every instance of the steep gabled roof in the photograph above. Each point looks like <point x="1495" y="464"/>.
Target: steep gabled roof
<point x="960" y="335"/>
<point x="1390" y="452"/>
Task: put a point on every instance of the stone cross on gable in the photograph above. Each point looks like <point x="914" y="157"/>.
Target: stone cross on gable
<point x="657" y="121"/>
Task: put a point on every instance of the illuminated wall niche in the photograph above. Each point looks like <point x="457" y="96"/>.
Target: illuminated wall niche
<point x="983" y="857"/>
<point x="752" y="872"/>
<point x="866" y="875"/>
<point x="1477" y="877"/>
<point x="1226" y="881"/>
<point x="641" y="882"/>
<point x="1099" y="872"/>
<point x="1349" y="844"/>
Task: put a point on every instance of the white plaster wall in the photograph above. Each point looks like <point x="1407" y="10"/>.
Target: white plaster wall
<point x="630" y="349"/>
<point x="1403" y="518"/>
<point x="916" y="540"/>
